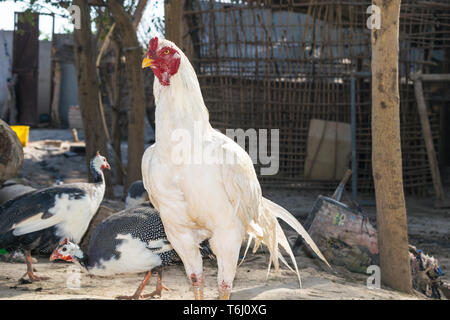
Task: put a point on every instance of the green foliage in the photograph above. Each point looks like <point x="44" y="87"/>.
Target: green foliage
<point x="27" y="17"/>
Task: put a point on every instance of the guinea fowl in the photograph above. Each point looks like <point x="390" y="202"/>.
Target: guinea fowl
<point x="130" y="241"/>
<point x="136" y="195"/>
<point x="40" y="219"/>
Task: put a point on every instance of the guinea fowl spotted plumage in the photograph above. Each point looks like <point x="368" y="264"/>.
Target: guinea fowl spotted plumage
<point x="40" y="219"/>
<point x="130" y="241"/>
<point x="137" y="195"/>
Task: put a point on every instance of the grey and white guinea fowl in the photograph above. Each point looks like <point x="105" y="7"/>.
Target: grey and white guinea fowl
<point x="136" y="195"/>
<point x="130" y="241"/>
<point x="40" y="219"/>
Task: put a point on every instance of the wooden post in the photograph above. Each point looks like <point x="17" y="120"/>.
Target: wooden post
<point x="428" y="138"/>
<point x="173" y="17"/>
<point x="386" y="151"/>
<point x="177" y="27"/>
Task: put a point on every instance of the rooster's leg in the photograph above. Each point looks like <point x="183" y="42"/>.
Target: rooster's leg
<point x="138" y="292"/>
<point x="227" y="253"/>
<point x="187" y="247"/>
<point x="159" y="287"/>
<point x="29" y="272"/>
<point x="198" y="281"/>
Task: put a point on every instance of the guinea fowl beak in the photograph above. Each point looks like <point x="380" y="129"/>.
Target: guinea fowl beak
<point x="147" y="62"/>
<point x="56" y="255"/>
<point x="106" y="166"/>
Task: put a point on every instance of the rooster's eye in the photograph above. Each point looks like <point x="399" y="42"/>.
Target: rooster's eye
<point x="167" y="51"/>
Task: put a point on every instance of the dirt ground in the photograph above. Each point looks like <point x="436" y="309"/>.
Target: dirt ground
<point x="43" y="165"/>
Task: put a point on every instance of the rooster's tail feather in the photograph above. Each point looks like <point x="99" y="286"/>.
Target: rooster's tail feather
<point x="274" y="237"/>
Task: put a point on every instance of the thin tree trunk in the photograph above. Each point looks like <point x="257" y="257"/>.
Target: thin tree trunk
<point x="386" y="151"/>
<point x="116" y="141"/>
<point x="56" y="123"/>
<point x="115" y="91"/>
<point x="87" y="91"/>
<point x="117" y="94"/>
<point x="133" y="55"/>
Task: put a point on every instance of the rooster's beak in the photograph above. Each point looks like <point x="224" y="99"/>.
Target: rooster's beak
<point x="147" y="62"/>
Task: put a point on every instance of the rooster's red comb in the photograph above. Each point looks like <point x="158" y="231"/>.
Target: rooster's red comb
<point x="153" y="45"/>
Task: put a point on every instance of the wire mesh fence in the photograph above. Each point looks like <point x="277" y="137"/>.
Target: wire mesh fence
<point x="280" y="63"/>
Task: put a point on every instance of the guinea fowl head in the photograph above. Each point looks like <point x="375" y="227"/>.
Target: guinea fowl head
<point x="67" y="251"/>
<point x="164" y="58"/>
<point x="99" y="163"/>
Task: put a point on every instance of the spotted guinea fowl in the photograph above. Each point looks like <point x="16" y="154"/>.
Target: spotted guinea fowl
<point x="40" y="219"/>
<point x="130" y="241"/>
<point x="136" y="195"/>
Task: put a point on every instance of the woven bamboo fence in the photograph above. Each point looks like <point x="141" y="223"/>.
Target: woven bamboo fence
<point x="278" y="64"/>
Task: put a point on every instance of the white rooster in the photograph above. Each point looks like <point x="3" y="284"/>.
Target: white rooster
<point x="202" y="182"/>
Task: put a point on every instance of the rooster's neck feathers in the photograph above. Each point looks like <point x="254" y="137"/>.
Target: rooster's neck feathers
<point x="180" y="105"/>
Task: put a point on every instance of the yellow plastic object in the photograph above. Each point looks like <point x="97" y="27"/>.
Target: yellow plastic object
<point x="22" y="132"/>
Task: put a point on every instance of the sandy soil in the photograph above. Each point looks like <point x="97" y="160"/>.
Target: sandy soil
<point x="43" y="166"/>
<point x="249" y="283"/>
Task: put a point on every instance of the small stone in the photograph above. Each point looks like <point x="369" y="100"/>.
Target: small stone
<point x="24" y="281"/>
